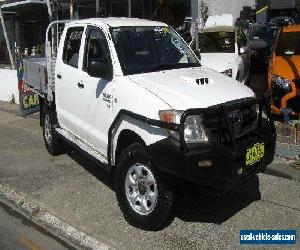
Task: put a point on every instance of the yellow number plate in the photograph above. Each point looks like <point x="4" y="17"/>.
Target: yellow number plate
<point x="255" y="154"/>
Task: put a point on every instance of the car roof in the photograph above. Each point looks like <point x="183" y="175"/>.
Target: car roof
<point x="119" y="22"/>
<point x="294" y="28"/>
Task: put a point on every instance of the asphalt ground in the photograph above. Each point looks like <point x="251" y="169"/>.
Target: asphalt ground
<point x="79" y="192"/>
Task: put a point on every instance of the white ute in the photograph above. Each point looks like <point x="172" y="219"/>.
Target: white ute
<point x="224" y="48"/>
<point x="132" y="95"/>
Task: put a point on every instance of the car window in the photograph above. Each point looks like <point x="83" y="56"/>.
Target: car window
<point x="72" y="46"/>
<point x="288" y="44"/>
<point x="216" y="42"/>
<point x="150" y="49"/>
<point x="284" y="21"/>
<point x="96" y="47"/>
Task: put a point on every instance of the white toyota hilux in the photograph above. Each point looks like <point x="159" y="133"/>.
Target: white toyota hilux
<point x="224" y="48"/>
<point x="131" y="94"/>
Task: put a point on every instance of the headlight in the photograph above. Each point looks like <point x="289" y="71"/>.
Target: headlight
<point x="193" y="128"/>
<point x="282" y="83"/>
<point x="227" y="72"/>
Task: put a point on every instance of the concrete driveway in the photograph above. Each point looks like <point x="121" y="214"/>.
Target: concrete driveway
<point x="79" y="192"/>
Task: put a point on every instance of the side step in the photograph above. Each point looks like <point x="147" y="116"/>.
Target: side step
<point x="83" y="146"/>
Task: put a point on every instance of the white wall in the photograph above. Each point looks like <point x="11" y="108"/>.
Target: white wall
<point x="218" y="7"/>
<point x="8" y="85"/>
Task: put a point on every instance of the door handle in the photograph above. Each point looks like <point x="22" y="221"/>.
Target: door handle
<point x="59" y="76"/>
<point x="80" y="85"/>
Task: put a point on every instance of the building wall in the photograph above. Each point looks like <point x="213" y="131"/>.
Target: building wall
<point x="218" y="7"/>
<point x="9" y="85"/>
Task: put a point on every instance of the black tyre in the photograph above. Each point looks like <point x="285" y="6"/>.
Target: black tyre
<point x="53" y="144"/>
<point x="143" y="197"/>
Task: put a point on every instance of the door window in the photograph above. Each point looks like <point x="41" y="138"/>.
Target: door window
<point x="288" y="44"/>
<point x="72" y="46"/>
<point x="96" y="48"/>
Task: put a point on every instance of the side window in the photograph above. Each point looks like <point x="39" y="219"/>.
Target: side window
<point x="96" y="48"/>
<point x="72" y="46"/>
<point x="241" y="38"/>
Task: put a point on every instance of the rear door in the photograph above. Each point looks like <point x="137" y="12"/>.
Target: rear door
<point x="70" y="102"/>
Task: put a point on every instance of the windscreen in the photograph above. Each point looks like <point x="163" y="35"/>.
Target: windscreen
<point x="216" y="42"/>
<point x="149" y="49"/>
<point x="288" y="44"/>
<point x="282" y="22"/>
<point x="263" y="33"/>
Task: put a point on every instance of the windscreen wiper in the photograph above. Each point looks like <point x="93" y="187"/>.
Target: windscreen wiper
<point x="174" y="66"/>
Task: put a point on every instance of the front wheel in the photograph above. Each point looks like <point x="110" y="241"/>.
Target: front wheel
<point x="143" y="197"/>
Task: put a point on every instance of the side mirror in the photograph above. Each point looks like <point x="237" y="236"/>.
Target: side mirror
<point x="243" y="50"/>
<point x="99" y="68"/>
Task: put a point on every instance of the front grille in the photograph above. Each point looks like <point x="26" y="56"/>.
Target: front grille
<point x="242" y="121"/>
<point x="220" y="123"/>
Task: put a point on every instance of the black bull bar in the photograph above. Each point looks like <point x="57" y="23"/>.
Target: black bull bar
<point x="220" y="112"/>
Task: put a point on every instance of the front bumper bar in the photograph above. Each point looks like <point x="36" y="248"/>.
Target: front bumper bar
<point x="227" y="149"/>
<point x="228" y="167"/>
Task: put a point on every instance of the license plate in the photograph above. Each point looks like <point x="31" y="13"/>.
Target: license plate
<point x="255" y="154"/>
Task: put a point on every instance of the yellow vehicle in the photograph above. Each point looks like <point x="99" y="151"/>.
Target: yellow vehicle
<point x="284" y="72"/>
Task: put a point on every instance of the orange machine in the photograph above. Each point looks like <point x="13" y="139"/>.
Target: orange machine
<point x="284" y="72"/>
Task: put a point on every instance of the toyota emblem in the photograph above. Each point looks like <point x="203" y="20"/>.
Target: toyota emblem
<point x="236" y="117"/>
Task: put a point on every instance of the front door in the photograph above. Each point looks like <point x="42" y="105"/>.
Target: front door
<point x="98" y="90"/>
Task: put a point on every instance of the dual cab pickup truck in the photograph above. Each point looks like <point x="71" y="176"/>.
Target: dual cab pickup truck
<point x="133" y="95"/>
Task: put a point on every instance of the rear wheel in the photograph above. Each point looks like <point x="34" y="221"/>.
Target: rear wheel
<point x="143" y="197"/>
<point x="53" y="144"/>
